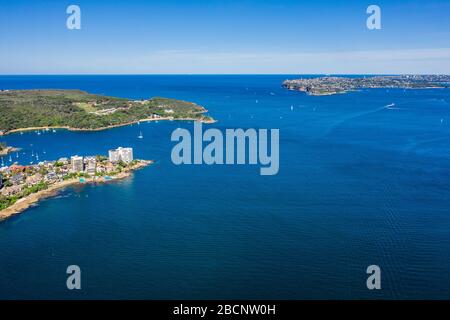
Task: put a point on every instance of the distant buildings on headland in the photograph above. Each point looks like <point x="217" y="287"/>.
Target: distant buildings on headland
<point x="334" y="85"/>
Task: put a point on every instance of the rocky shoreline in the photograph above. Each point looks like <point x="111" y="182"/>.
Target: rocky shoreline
<point x="26" y="202"/>
<point x="8" y="150"/>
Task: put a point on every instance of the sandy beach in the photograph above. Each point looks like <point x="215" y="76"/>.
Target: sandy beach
<point x="24" y="203"/>
<point x="3" y="133"/>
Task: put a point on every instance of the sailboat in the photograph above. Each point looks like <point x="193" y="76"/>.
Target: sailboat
<point x="140" y="136"/>
<point x="10" y="159"/>
<point x="3" y="164"/>
<point x="292" y="108"/>
<point x="37" y="157"/>
<point x="17" y="154"/>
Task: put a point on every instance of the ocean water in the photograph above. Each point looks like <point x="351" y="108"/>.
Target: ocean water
<point x="359" y="184"/>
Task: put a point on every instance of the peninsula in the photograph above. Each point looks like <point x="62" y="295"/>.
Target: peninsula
<point x="4" y="149"/>
<point x="335" y="85"/>
<point x="22" y="186"/>
<point x="22" y="110"/>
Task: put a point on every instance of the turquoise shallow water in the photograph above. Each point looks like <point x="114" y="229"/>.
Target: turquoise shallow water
<point x="358" y="185"/>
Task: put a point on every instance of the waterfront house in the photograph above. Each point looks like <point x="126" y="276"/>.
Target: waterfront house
<point x="34" y="179"/>
<point x="101" y="169"/>
<point x="10" y="191"/>
<point x="6" y="171"/>
<point x="109" y="167"/>
<point x="51" y="177"/>
<point x="16" y="179"/>
<point x="16" y="168"/>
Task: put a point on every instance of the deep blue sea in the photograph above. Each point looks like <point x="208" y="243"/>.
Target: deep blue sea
<point x="359" y="184"/>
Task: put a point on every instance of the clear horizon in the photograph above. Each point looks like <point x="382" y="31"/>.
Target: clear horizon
<point x="216" y="37"/>
<point x="220" y="74"/>
<point x="217" y="74"/>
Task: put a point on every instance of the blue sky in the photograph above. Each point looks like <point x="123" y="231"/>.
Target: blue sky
<point x="224" y="37"/>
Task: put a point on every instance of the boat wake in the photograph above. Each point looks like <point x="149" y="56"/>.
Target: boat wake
<point x="415" y="146"/>
<point x="391" y="106"/>
<point x="350" y="118"/>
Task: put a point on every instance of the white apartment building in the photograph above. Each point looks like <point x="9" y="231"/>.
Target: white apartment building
<point x="114" y="155"/>
<point x="121" y="154"/>
<point x="91" y="165"/>
<point x="77" y="164"/>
